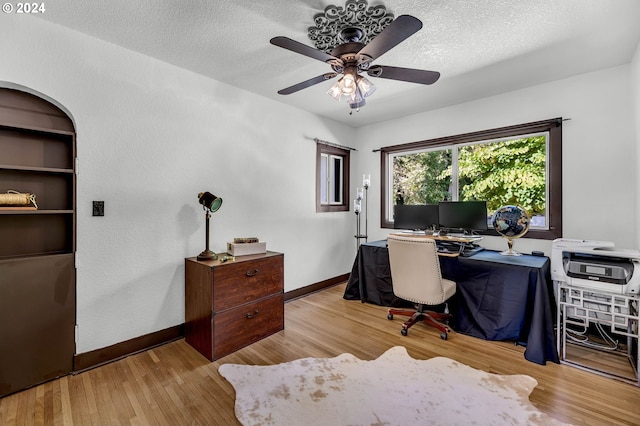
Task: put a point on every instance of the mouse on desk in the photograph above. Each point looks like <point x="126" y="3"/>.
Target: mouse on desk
<point x="537" y="253"/>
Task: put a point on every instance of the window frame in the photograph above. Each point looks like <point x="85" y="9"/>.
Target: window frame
<point x="554" y="157"/>
<point x="332" y="151"/>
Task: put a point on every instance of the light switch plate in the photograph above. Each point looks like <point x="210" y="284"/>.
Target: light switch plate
<point x="98" y="208"/>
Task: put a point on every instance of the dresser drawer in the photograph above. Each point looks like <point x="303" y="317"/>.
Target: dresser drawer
<point x="246" y="324"/>
<point x="235" y="284"/>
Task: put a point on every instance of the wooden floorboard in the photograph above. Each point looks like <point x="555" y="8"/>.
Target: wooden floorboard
<point x="174" y="385"/>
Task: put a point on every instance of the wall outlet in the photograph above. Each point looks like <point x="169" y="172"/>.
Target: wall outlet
<point x="98" y="208"/>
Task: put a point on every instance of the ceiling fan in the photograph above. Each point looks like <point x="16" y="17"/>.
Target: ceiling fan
<point x="353" y="57"/>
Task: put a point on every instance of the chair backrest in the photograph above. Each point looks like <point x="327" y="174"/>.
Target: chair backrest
<point x="415" y="269"/>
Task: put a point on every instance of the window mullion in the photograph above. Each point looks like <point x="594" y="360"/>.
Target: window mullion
<point x="324" y="191"/>
<point x="330" y="179"/>
<point x="454" y="173"/>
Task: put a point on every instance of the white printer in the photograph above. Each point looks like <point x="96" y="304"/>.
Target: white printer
<point x="596" y="265"/>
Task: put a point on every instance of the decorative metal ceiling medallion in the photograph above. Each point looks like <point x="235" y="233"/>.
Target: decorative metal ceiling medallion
<point x="356" y="21"/>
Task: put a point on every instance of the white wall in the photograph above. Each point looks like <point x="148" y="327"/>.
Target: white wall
<point x="598" y="149"/>
<point x="150" y="136"/>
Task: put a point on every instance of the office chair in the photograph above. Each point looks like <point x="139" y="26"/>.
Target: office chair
<point x="416" y="277"/>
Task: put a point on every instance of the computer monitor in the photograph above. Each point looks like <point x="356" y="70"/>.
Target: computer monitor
<point x="463" y="215"/>
<point x="415" y="217"/>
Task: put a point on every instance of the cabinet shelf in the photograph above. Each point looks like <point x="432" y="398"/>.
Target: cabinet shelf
<point x="4" y="210"/>
<point x="36" y="255"/>
<point x="40" y="162"/>
<point x="36" y="151"/>
<point x="35" y="169"/>
<point x="35" y="129"/>
<point x="53" y="191"/>
<point x="35" y="232"/>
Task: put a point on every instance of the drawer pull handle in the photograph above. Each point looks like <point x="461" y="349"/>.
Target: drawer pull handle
<point x="250" y="315"/>
<point x="252" y="273"/>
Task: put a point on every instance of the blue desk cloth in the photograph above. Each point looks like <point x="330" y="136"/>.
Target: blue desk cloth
<point x="497" y="297"/>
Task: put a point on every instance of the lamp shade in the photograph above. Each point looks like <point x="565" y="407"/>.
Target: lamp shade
<point x="357" y="104"/>
<point x="336" y="90"/>
<point x="366" y="87"/>
<point x="209" y="201"/>
<point x="349" y="80"/>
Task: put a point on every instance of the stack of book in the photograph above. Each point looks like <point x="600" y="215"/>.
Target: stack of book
<point x="245" y="246"/>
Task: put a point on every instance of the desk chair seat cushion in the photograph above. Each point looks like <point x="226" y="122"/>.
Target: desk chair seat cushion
<point x="415" y="271"/>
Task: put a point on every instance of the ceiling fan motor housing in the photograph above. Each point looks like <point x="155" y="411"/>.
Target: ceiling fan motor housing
<point x="351" y="34"/>
<point x="348" y="53"/>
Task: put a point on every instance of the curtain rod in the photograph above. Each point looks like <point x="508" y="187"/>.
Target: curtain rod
<point x="316" y="140"/>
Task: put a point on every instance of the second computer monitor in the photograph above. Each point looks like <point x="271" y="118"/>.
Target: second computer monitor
<point x="464" y="215"/>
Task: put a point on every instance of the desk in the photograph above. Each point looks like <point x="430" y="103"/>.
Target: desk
<point x="497" y="297"/>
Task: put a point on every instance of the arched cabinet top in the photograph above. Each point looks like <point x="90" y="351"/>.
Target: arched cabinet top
<point x="22" y="109"/>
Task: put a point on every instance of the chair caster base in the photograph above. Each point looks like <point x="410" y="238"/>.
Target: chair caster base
<point x="433" y="319"/>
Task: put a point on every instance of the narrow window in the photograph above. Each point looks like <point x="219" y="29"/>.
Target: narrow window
<point x="332" y="178"/>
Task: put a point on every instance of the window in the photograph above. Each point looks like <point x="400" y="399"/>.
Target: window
<point x="332" y="178"/>
<point x="519" y="165"/>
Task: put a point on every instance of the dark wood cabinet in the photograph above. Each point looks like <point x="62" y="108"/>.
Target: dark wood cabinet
<point x="229" y="305"/>
<point x="37" y="246"/>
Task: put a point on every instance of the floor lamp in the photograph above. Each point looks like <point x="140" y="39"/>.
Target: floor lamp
<point x="210" y="203"/>
<point x="357" y="207"/>
<point x="366" y="181"/>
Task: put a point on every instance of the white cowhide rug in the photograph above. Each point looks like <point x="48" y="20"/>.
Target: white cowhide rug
<point x="394" y="389"/>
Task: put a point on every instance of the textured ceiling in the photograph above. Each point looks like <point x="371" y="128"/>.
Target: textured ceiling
<point x="481" y="47"/>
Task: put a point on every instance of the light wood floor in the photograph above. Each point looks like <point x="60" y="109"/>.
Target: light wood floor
<point x="174" y="385"/>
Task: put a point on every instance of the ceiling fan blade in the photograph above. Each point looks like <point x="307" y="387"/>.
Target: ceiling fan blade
<point x="303" y="49"/>
<point x="307" y="83"/>
<point x="404" y="74"/>
<point x="399" y="30"/>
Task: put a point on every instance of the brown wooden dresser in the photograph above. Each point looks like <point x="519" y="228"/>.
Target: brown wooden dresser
<point x="229" y="305"/>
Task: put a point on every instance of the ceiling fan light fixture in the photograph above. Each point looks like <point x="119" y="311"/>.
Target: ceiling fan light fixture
<point x="365" y="86"/>
<point x="336" y="90"/>
<point x="349" y="80"/>
<point x="352" y="86"/>
<point x="357" y="105"/>
<point x="348" y="87"/>
<point x="356" y="97"/>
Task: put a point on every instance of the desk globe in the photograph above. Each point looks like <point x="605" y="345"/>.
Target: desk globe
<point x="511" y="222"/>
